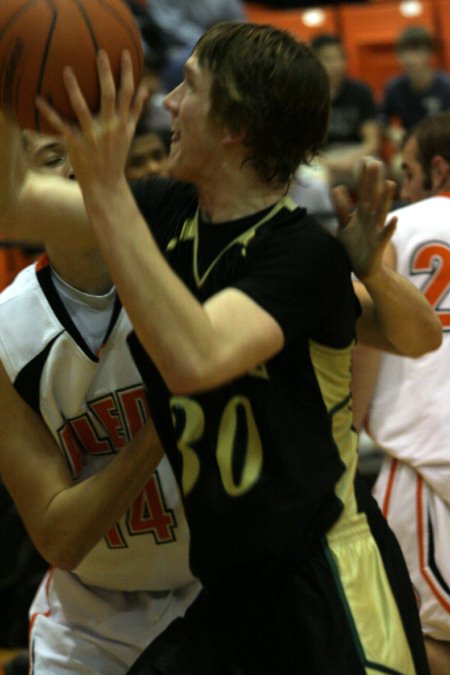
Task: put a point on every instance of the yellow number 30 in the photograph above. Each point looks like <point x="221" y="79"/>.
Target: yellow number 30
<point x="189" y="419"/>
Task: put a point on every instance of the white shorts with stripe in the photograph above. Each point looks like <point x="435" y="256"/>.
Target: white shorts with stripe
<point x="83" y="630"/>
<point x="421" y="522"/>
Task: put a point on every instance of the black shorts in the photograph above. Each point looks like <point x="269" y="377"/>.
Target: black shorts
<point x="348" y="609"/>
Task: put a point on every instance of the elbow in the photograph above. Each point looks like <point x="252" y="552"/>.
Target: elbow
<point x="59" y="553"/>
<point x="65" y="561"/>
<point x="184" y="383"/>
<point x="433" y="335"/>
<point x="431" y="344"/>
<point x="429" y="339"/>
<point x="189" y="378"/>
<point x="436" y="342"/>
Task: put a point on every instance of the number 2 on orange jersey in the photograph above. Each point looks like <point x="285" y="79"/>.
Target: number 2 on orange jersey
<point x="433" y="258"/>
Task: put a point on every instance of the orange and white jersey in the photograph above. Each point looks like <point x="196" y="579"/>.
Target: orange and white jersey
<point x="410" y="410"/>
<point x="409" y="418"/>
<point x="421" y="522"/>
<point x="93" y="404"/>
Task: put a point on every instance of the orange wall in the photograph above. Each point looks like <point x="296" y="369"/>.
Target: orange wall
<point x="369" y="32"/>
<point x="302" y="23"/>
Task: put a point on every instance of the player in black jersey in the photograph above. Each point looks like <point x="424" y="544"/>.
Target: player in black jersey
<point x="245" y="317"/>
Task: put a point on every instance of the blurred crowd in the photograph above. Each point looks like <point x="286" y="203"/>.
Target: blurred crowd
<point x="361" y="125"/>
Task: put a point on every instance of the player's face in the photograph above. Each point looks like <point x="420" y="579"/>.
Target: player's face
<point x="148" y="157"/>
<point x="195" y="138"/>
<point x="47" y="154"/>
<point x="413" y="176"/>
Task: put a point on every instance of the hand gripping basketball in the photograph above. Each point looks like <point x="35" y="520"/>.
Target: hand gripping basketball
<point x="38" y="38"/>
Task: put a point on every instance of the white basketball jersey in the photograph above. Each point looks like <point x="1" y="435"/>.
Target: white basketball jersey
<point x="410" y="410"/>
<point x="93" y="404"/>
<point x="410" y="419"/>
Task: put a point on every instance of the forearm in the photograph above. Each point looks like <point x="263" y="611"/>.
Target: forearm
<point x="65" y="520"/>
<point x="77" y="517"/>
<point x="12" y="164"/>
<point x="397" y="317"/>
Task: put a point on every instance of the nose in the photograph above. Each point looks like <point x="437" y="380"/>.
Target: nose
<point x="152" y="167"/>
<point x="172" y="99"/>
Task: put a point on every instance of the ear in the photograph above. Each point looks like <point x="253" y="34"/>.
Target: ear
<point x="440" y="174"/>
<point x="232" y="136"/>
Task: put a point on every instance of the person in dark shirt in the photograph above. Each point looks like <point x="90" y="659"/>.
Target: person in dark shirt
<point x="353" y="130"/>
<point x="419" y="91"/>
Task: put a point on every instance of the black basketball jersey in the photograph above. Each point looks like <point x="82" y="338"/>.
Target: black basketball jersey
<point x="266" y="463"/>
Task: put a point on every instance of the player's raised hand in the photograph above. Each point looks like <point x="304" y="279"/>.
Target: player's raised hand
<point x="99" y="144"/>
<point x="363" y="230"/>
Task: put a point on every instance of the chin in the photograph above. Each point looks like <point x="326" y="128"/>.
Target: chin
<point x="175" y="171"/>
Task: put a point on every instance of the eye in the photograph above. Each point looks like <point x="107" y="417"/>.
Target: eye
<point x="157" y="155"/>
<point x="50" y="159"/>
<point x="55" y="161"/>
<point x="137" y="161"/>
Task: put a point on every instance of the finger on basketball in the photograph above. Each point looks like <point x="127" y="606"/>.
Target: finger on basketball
<point x="127" y="84"/>
<point x="107" y="86"/>
<point x="77" y="100"/>
<point x="53" y="119"/>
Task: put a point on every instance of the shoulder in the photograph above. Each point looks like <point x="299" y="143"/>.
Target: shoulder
<point x="425" y="220"/>
<point x="156" y="193"/>
<point x="161" y="188"/>
<point x="358" y="86"/>
<point x="299" y="241"/>
<point x="396" y="82"/>
<point x="443" y="79"/>
<point x="432" y="206"/>
<point x="165" y="204"/>
<point x="18" y="291"/>
<point x="443" y="76"/>
<point x="28" y="323"/>
<point x="351" y="90"/>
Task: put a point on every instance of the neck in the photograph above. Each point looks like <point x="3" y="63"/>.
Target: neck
<point x="335" y="86"/>
<point x="236" y="195"/>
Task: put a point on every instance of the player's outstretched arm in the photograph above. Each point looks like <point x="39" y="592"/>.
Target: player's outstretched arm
<point x="395" y="317"/>
<point x="65" y="520"/>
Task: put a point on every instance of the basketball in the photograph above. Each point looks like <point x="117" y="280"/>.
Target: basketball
<point x="39" y="37"/>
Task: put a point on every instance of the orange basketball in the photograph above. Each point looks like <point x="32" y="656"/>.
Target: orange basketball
<point x="39" y="37"/>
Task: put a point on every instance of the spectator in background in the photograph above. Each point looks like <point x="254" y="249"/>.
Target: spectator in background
<point x="181" y="23"/>
<point x="149" y="152"/>
<point x="354" y="131"/>
<point x="420" y="90"/>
